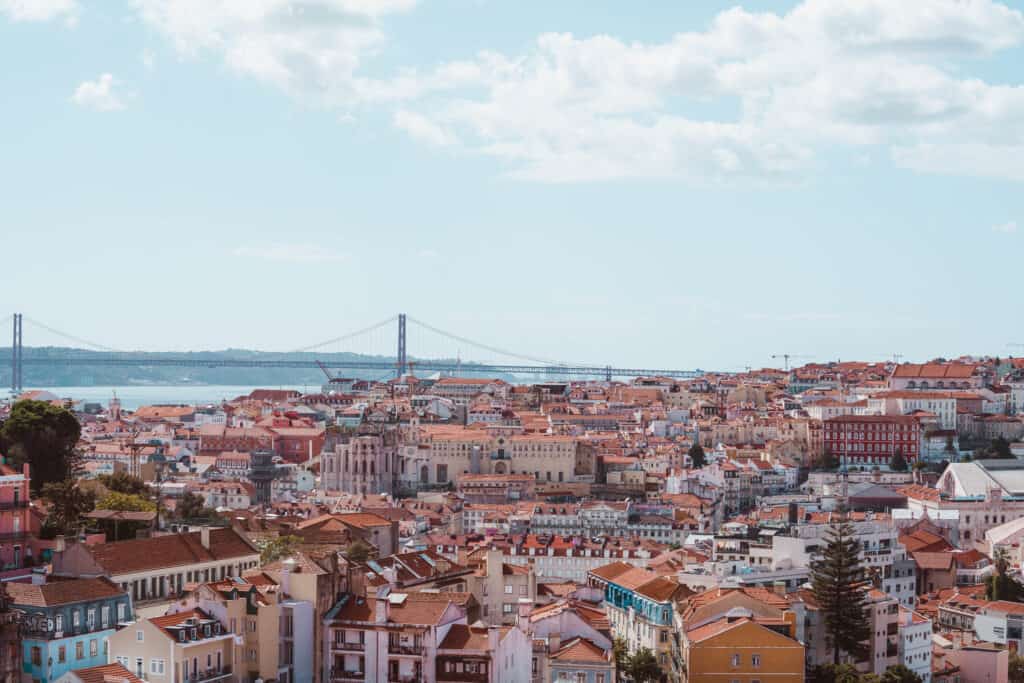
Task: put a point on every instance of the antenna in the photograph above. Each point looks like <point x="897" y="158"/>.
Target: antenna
<point x="787" y="356"/>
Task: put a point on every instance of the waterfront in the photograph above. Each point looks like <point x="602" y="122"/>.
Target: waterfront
<point x="133" y="396"/>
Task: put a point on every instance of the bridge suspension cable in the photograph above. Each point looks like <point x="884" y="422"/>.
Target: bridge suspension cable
<point x="492" y="349"/>
<point x="71" y="337"/>
<point x="350" y="335"/>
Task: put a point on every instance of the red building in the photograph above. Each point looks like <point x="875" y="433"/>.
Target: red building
<point x="872" y="439"/>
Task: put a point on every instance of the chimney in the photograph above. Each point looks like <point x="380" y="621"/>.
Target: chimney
<point x="554" y="641"/>
<point x="381" y="610"/>
<point x="523" y="617"/>
<point x="286" y="576"/>
<point x="204" y="536"/>
<point x="493" y="638"/>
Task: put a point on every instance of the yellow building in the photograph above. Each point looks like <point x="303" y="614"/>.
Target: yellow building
<point x="741" y="650"/>
<point x="188" y="647"/>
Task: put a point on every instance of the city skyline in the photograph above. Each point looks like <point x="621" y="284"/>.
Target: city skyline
<point x="680" y="187"/>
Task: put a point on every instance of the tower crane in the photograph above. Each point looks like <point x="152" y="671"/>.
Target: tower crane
<point x="787" y="356"/>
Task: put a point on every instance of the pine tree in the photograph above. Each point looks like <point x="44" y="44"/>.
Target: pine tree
<point x="898" y="463"/>
<point x="697" y="457"/>
<point x="836" y="581"/>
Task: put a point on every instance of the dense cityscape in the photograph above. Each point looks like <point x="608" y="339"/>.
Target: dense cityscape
<point x="478" y="341"/>
<point x="828" y="522"/>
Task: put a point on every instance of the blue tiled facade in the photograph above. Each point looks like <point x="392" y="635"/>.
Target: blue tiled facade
<point x="61" y="638"/>
<point x="659" y="613"/>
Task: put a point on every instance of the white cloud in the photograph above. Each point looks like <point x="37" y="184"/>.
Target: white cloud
<point x="1007" y="228"/>
<point x="310" y="49"/>
<point x="40" y="10"/>
<point x="148" y="58"/>
<point x="99" y="95"/>
<point x="852" y="72"/>
<point x="421" y="128"/>
<point x="753" y="96"/>
<point x="290" y="253"/>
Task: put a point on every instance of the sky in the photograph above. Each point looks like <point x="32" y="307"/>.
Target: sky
<point x="667" y="184"/>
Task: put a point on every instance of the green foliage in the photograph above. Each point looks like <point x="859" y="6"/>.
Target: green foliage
<point x="900" y="674"/>
<point x="620" y="650"/>
<point x="1002" y="586"/>
<point x="282" y="546"/>
<point x="898" y="463"/>
<point x="190" y="506"/>
<point x="835" y="581"/>
<point x="67" y="505"/>
<point x="998" y="449"/>
<point x="45" y="437"/>
<point x="839" y="673"/>
<point x="643" y="667"/>
<point x="126" y="502"/>
<point x="697" y="457"/>
<point x="828" y="460"/>
<point x="358" y="552"/>
<point x="1016" y="668"/>
<point x="122" y="482"/>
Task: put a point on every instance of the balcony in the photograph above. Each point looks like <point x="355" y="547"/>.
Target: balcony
<point x="212" y="674"/>
<point x="342" y="675"/>
<point x="408" y="678"/>
<point x="13" y="538"/>
<point x="411" y="650"/>
<point x="348" y="646"/>
<point x="13" y="504"/>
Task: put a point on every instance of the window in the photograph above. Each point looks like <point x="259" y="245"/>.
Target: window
<point x="90" y="618"/>
<point x="507" y="608"/>
<point x="105" y="616"/>
<point x="735" y="660"/>
<point x="59" y="622"/>
<point x="156" y="666"/>
<point x="79" y="650"/>
<point x="508" y="589"/>
<point x="37" y="656"/>
<point x="62" y="654"/>
<point x="755" y="661"/>
<point x="120" y="612"/>
<point x="138" y="636"/>
<point x="76" y="618"/>
<point x="94" y="648"/>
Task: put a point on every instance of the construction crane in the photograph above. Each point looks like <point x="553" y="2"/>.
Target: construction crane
<point x="786" y="357"/>
<point x="323" y="369"/>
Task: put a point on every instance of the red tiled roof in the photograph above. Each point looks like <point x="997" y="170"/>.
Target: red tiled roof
<point x="167" y="551"/>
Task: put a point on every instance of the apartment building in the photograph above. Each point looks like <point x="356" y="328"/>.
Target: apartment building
<point x="187" y="647"/>
<point x="273" y="631"/>
<point x="14" y="516"/>
<point x="158" y="568"/>
<point x="390" y="637"/>
<point x="67" y="624"/>
<point x="872" y="439"/>
<point x="499" y="586"/>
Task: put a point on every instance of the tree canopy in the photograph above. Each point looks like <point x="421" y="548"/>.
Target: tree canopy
<point x="358" y="551"/>
<point x="67" y="504"/>
<point x="122" y="482"/>
<point x="898" y="463"/>
<point x="836" y="581"/>
<point x="282" y="546"/>
<point x="642" y="667"/>
<point x="44" y="436"/>
<point x="697" y="457"/>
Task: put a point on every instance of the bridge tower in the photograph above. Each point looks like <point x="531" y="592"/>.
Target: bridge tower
<point x="401" y="357"/>
<point x="17" y="378"/>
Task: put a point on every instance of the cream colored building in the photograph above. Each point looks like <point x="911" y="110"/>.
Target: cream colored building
<point x="188" y="647"/>
<point x="456" y="450"/>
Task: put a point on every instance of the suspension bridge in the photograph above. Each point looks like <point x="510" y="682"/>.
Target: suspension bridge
<point x="360" y="350"/>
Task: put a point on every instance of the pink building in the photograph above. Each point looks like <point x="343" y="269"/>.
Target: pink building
<point x="14" y="512"/>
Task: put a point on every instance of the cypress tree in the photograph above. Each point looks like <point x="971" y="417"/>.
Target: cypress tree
<point x="837" y="585"/>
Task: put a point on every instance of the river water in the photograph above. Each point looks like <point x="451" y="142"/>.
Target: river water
<point x="133" y="396"/>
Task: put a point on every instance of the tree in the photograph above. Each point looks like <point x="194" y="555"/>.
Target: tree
<point x="836" y="580"/>
<point x="358" y="552"/>
<point x="643" y="667"/>
<point x="834" y="673"/>
<point x="1016" y="668"/>
<point x="191" y="506"/>
<point x="45" y="437"/>
<point x="898" y="673"/>
<point x="1002" y="586"/>
<point x="898" y="463"/>
<point x="999" y="449"/>
<point x="122" y="482"/>
<point x="124" y="502"/>
<point x="697" y="457"/>
<point x="620" y="650"/>
<point x="828" y="460"/>
<point x="67" y="505"/>
<point x="282" y="546"/>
